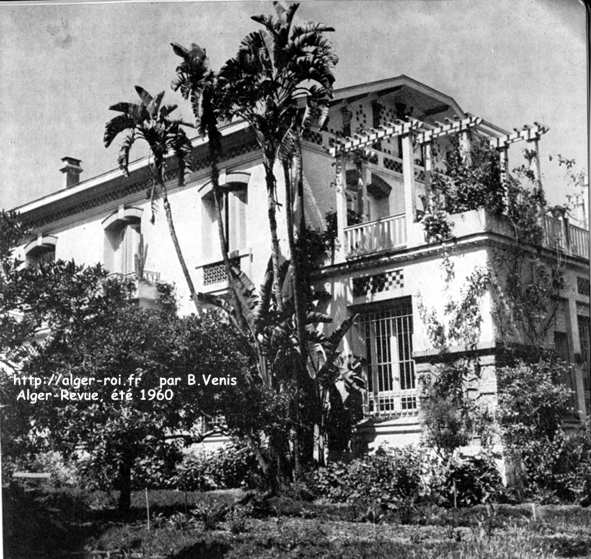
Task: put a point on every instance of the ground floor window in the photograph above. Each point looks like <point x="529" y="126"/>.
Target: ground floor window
<point x="387" y="333"/>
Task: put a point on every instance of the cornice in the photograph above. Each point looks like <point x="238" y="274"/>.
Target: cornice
<point x="117" y="187"/>
<point x="484" y="239"/>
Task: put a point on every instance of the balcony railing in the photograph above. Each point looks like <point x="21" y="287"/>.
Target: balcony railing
<point x="375" y="236"/>
<point x="147" y="276"/>
<point x="567" y="238"/>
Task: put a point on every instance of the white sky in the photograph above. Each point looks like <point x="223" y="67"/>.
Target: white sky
<point x="62" y="65"/>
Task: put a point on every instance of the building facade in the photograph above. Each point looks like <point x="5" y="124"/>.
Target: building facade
<point x="382" y="268"/>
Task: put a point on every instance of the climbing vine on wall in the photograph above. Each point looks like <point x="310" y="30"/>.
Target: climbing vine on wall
<point x="451" y="416"/>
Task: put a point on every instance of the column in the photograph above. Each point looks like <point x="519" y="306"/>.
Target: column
<point x="428" y="147"/>
<point x="465" y="147"/>
<point x="365" y="178"/>
<point x="341" y="206"/>
<point x="573" y="330"/>
<point x="408" y="175"/>
<point x="504" y="169"/>
<point x="534" y="162"/>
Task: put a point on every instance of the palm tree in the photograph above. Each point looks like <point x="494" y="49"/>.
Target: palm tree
<point x="149" y="121"/>
<point x="274" y="71"/>
<point x="278" y="81"/>
<point x="198" y="83"/>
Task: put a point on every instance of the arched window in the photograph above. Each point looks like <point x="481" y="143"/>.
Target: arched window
<point x="123" y="241"/>
<point x="40" y="250"/>
<point x="234" y="205"/>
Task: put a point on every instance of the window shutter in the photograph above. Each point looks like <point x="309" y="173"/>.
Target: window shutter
<point x="129" y="247"/>
<point x="238" y="200"/>
<point x="208" y="226"/>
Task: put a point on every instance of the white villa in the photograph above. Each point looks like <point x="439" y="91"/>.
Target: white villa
<point x="383" y="267"/>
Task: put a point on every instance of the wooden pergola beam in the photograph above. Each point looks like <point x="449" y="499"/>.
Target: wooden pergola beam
<point x="527" y="133"/>
<point x="360" y="140"/>
<point x="447" y="128"/>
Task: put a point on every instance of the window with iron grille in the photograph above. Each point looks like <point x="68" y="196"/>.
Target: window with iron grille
<point x="387" y="334"/>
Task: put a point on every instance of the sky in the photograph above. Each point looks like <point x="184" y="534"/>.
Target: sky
<point x="62" y="65"/>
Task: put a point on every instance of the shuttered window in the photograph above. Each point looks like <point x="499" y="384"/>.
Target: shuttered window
<point x="234" y="206"/>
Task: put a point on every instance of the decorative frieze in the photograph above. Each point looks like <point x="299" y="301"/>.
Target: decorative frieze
<point x="127" y="188"/>
<point x="378" y="283"/>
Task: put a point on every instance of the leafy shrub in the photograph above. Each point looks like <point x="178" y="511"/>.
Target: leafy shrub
<point x="437" y="226"/>
<point x="63" y="473"/>
<point x="227" y="467"/>
<point x="390" y="477"/>
<point x="549" y="464"/>
<point x="238" y="518"/>
<point x="468" y="481"/>
<point x="210" y="513"/>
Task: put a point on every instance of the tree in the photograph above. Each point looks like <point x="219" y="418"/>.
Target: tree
<point x="280" y="81"/>
<point x="295" y="73"/>
<point x="274" y="71"/>
<point x="198" y="83"/>
<point x="149" y="121"/>
<point x="122" y="382"/>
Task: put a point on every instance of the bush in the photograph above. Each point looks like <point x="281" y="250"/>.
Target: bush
<point x="227" y="467"/>
<point x="390" y="477"/>
<point x="549" y="464"/>
<point x="467" y="481"/>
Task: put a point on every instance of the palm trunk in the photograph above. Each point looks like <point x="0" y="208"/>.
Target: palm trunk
<point x="272" y="212"/>
<point x="299" y="364"/>
<point x="224" y="242"/>
<point x="177" y="246"/>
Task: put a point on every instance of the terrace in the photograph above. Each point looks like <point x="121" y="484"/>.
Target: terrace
<point x="384" y="224"/>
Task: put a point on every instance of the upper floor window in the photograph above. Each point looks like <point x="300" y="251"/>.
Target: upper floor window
<point x="40" y="250"/>
<point x="123" y="241"/>
<point x="234" y="204"/>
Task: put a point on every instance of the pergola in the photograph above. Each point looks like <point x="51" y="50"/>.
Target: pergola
<point x="413" y="131"/>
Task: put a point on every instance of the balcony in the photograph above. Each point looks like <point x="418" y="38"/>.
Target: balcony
<point x="375" y="236"/>
<point x="566" y="238"/>
<point x="391" y="233"/>
<point x="212" y="277"/>
<point x="144" y="288"/>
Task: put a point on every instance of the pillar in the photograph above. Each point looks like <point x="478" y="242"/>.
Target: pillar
<point x="341" y="206"/>
<point x="408" y="175"/>
<point x="573" y="329"/>
<point x="504" y="169"/>
<point x="533" y="147"/>
<point x="428" y="148"/>
<point x="365" y="178"/>
<point x="465" y="147"/>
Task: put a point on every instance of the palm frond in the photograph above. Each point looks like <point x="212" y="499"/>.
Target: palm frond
<point x="165" y="110"/>
<point x="123" y="158"/>
<point x="144" y="95"/>
<point x="115" y="126"/>
<point x="154" y="105"/>
<point x="123" y="107"/>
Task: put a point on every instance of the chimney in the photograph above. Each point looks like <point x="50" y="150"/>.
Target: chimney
<point x="72" y="171"/>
